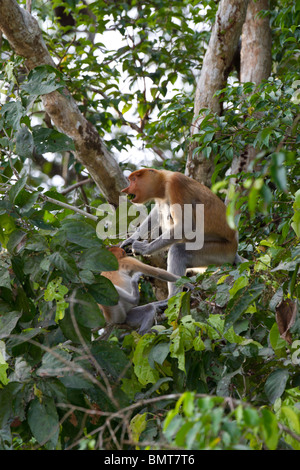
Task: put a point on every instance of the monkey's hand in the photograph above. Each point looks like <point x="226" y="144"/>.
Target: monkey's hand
<point x="136" y="276"/>
<point x="141" y="248"/>
<point x="129" y="241"/>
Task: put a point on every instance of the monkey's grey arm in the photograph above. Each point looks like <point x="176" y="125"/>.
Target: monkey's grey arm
<point x="163" y="241"/>
<point x="132" y="297"/>
<point x="150" y="224"/>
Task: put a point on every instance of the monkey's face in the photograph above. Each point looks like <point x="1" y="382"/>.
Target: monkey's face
<point x="145" y="185"/>
<point x="134" y="188"/>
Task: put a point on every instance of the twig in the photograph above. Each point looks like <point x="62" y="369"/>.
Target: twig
<point x="76" y="185"/>
<point x="28" y="5"/>
<point x="289" y="431"/>
<point x="69" y="206"/>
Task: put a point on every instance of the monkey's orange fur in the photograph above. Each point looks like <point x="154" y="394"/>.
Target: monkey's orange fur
<point x="122" y="278"/>
<point x="175" y="188"/>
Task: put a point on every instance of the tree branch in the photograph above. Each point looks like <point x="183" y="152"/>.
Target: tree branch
<point x="216" y="64"/>
<point x="76" y="185"/>
<point x="68" y="206"/>
<point x="25" y="37"/>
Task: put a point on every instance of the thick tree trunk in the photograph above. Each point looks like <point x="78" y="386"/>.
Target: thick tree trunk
<point x="216" y="64"/>
<point x="256" y="62"/>
<point x="24" y="35"/>
<point x="256" y="58"/>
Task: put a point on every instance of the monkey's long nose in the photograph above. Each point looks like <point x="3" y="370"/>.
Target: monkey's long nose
<point x="125" y="190"/>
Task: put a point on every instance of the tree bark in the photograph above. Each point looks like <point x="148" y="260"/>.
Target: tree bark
<point x="256" y="62"/>
<point x="256" y="58"/>
<point x="24" y="35"/>
<point x="223" y="43"/>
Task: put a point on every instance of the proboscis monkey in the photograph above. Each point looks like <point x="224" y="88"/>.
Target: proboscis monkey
<point x="181" y="202"/>
<point x="125" y="280"/>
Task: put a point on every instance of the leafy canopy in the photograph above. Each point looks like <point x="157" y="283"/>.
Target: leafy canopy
<point x="228" y="353"/>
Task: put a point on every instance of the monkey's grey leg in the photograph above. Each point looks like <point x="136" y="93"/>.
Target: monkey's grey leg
<point x="239" y="259"/>
<point x="177" y="264"/>
<point x="143" y="317"/>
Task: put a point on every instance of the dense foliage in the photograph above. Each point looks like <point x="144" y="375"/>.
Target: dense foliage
<point x="222" y="372"/>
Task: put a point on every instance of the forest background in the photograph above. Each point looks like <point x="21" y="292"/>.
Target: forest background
<point x="89" y="91"/>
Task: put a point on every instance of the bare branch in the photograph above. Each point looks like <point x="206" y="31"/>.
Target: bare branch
<point x="76" y="185"/>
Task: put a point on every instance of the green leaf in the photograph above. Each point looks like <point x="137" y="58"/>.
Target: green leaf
<point x="55" y="291"/>
<point x="251" y="417"/>
<point x="177" y="348"/>
<point x="43" y="421"/>
<point x="103" y="291"/>
<point x="174" y="306"/>
<point x="144" y="372"/>
<point x="278" y="344"/>
<point x="26" y="201"/>
<point x="15" y="238"/>
<point x="13" y="112"/>
<point x="111" y="358"/>
<point x="3" y="365"/>
<point x="81" y="233"/>
<point x="158" y="354"/>
<point x="53" y="366"/>
<point x="87" y="311"/>
<point x="246" y="297"/>
<point x="137" y="425"/>
<point x="36" y="242"/>
<point x="207" y="151"/>
<point x="50" y="140"/>
<point x="292" y="418"/>
<point x="16" y="188"/>
<point x="65" y="264"/>
<point x="296" y="217"/>
<point x="75" y="333"/>
<point x="278" y="171"/>
<point x="275" y="384"/>
<point x="264" y="136"/>
<point x="208" y="137"/>
<point x="99" y="259"/>
<point x="239" y="284"/>
<point x="217" y="321"/>
<point x="8" y="320"/>
<point x="224" y="384"/>
<point x="24" y="143"/>
<point x="188" y="404"/>
<point x="5" y="278"/>
<point x="270" y="429"/>
<point x="42" y="80"/>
